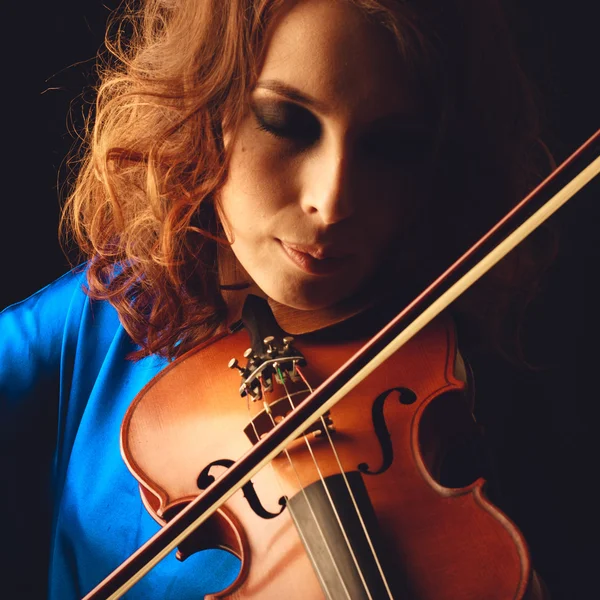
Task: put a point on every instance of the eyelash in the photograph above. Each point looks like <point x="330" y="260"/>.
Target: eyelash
<point x="394" y="150"/>
<point x="275" y="131"/>
<point x="299" y="132"/>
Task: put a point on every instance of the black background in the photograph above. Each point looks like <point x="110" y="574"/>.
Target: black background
<point x="543" y="425"/>
<point x="48" y="60"/>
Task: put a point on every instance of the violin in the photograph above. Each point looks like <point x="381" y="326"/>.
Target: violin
<point x="379" y="450"/>
<point x="343" y="476"/>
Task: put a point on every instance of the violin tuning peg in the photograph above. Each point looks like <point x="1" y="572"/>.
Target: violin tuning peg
<point x="268" y="342"/>
<point x="233" y="364"/>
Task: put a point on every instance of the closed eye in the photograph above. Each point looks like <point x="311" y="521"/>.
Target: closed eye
<point x="290" y="122"/>
<point x="286" y="120"/>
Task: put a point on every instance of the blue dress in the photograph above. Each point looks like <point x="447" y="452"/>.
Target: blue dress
<point x="65" y="385"/>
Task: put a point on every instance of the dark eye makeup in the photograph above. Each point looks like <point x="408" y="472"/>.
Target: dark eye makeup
<point x="286" y="120"/>
<point x="294" y="124"/>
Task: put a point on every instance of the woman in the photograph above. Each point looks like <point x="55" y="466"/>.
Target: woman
<point x="319" y="153"/>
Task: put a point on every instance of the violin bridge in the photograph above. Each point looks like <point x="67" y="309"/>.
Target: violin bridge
<point x="266" y="420"/>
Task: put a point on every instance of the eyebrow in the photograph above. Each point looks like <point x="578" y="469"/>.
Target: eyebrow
<point x="292" y="93"/>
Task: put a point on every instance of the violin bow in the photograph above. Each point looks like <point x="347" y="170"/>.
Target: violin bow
<point x="563" y="183"/>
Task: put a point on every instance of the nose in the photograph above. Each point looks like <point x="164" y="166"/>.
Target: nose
<point x="328" y="190"/>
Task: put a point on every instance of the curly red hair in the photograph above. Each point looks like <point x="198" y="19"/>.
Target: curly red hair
<point x="176" y="75"/>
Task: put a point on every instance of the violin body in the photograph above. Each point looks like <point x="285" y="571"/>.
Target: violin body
<point x="390" y="435"/>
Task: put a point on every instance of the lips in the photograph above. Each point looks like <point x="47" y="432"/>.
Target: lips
<point x="316" y="251"/>
<point x="316" y="259"/>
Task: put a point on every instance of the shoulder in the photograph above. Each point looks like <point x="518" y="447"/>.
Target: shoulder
<point x="51" y="300"/>
<point x="38" y="322"/>
<point x="38" y="332"/>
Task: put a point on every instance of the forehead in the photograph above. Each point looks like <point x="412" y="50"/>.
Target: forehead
<point x="329" y="50"/>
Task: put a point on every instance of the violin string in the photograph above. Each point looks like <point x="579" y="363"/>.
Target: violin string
<point x="289" y="507"/>
<point x="352" y="497"/>
<point x="331" y="502"/>
<point x="314" y="516"/>
<point x="310" y="507"/>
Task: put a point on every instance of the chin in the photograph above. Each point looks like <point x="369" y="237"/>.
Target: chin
<point x="309" y="296"/>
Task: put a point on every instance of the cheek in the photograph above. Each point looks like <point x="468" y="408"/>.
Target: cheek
<point x="394" y="206"/>
<point x="249" y="198"/>
<point x="257" y="174"/>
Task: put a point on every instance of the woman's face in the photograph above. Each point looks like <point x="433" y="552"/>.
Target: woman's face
<point x="324" y="169"/>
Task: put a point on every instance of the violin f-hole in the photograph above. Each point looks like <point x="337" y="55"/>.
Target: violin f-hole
<point x="205" y="479"/>
<point x="405" y="396"/>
